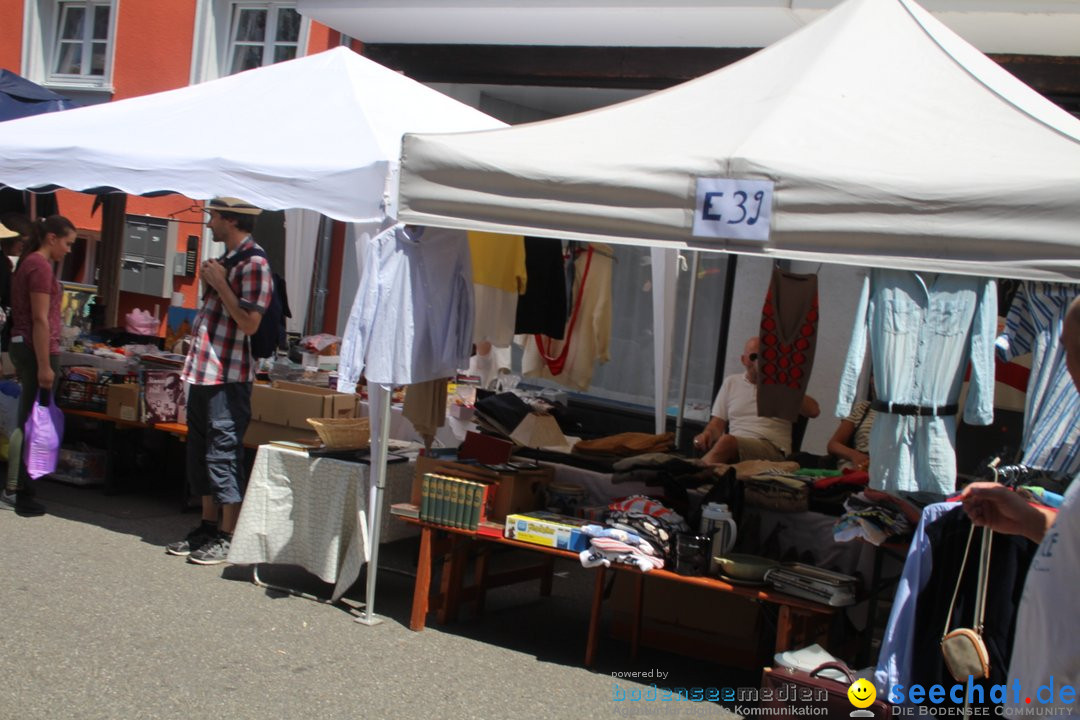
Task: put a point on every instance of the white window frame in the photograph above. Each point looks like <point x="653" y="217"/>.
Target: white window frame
<point x="212" y="50"/>
<point x="269" y="43"/>
<point x="41" y="43"/>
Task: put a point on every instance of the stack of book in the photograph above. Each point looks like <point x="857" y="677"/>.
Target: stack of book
<point x="455" y="502"/>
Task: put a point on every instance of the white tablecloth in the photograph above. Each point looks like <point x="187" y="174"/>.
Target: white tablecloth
<point x="312" y="512"/>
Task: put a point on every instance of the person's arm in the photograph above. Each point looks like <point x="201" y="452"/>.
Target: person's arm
<point x="1002" y="510"/>
<point x="40" y="335"/>
<point x="712" y="432"/>
<point x="839" y="445"/>
<point x="809" y="407"/>
<point x="215" y="275"/>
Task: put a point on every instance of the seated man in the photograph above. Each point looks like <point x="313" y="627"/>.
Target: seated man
<point x="735" y="432"/>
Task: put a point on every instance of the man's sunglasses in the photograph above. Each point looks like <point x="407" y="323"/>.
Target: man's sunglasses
<point x="753" y="357"/>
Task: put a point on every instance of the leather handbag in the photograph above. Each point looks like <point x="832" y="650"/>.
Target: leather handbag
<point x="790" y="688"/>
<point x="963" y="648"/>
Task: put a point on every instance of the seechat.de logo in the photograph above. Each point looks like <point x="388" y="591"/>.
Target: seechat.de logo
<point x="862" y="695"/>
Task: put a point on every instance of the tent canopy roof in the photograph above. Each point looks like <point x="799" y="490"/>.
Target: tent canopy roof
<point x="21" y="98"/>
<point x="321" y="132"/>
<point x="887" y="140"/>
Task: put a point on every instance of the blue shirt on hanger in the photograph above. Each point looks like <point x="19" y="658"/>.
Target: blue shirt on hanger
<point x="923" y="329"/>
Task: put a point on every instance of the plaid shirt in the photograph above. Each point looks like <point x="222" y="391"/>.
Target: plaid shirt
<point x="220" y="352"/>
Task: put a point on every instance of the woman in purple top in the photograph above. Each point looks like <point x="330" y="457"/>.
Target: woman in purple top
<point x="35" y="338"/>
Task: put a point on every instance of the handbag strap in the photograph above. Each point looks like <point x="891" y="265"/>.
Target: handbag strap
<point x="981" y="582"/>
<point x="839" y="666"/>
<point x="984" y="579"/>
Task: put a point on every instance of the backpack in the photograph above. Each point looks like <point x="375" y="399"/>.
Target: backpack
<point x="271" y="333"/>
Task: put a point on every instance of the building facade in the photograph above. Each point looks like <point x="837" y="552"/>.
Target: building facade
<point x="96" y="51"/>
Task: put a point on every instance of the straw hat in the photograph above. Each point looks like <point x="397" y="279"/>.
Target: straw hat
<point x="231" y="205"/>
<point x="6" y="232"/>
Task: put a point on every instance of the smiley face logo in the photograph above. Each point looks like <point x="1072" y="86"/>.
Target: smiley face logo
<point x="862" y="693"/>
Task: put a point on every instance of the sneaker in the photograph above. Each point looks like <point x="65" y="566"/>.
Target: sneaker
<point x="214" y="552"/>
<point x="21" y="503"/>
<point x="194" y="540"/>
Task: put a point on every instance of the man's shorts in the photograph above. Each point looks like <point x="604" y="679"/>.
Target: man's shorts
<point x="755" y="449"/>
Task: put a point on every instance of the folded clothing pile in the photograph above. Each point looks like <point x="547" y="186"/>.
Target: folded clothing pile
<point x="874" y="520"/>
<point x="662" y="469"/>
<point x="608" y="545"/>
<point x="650" y="520"/>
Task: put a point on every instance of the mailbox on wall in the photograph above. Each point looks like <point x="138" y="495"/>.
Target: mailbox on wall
<point x="149" y="255"/>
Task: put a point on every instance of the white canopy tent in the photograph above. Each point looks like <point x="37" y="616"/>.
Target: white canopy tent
<point x="320" y="133"/>
<point x="875" y="137"/>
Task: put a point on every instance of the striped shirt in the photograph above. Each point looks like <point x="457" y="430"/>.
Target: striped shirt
<point x="1052" y="405"/>
<point x="220" y="353"/>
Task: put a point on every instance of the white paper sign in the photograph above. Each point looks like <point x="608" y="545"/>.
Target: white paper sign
<point x="733" y="209"/>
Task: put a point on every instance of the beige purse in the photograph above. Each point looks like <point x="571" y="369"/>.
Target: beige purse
<point x="964" y="649"/>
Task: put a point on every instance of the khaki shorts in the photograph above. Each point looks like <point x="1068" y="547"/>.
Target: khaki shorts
<point x="755" y="449"/>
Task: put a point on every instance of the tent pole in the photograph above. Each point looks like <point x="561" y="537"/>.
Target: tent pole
<point x="684" y="377"/>
<point x="725" y="323"/>
<point x="380" y="411"/>
<point x="665" y="278"/>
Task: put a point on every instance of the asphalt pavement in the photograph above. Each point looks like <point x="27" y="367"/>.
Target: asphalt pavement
<point x="99" y="622"/>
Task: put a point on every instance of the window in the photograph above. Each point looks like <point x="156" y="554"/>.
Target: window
<point x="262" y="34"/>
<point x="236" y="35"/>
<point x="69" y="46"/>
<point x="627" y="378"/>
<point x="81" y="42"/>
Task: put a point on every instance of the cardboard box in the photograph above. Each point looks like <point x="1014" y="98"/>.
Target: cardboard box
<point x="123" y="402"/>
<point x="519" y="491"/>
<point x="549" y="529"/>
<point x="280" y="411"/>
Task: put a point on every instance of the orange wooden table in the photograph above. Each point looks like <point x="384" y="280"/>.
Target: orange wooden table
<point x="797" y="618"/>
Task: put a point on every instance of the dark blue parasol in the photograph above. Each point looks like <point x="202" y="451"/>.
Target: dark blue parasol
<point x="20" y="98"/>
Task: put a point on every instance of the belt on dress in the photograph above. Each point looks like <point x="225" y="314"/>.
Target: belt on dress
<point x="920" y="410"/>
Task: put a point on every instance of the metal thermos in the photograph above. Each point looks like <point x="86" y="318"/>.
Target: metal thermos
<point x="718" y="524"/>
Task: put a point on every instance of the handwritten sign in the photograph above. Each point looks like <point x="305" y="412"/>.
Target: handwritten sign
<point x="733" y="209"/>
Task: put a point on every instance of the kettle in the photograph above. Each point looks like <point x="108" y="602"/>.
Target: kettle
<point x="718" y="523"/>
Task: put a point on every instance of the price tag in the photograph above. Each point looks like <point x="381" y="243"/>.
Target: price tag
<point x="733" y="209"/>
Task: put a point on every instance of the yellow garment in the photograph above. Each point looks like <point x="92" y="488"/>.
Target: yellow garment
<point x="591" y="337"/>
<point x="498" y="261"/>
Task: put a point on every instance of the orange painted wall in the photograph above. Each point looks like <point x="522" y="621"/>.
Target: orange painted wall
<point x="11" y="22"/>
<point x="153" y="47"/>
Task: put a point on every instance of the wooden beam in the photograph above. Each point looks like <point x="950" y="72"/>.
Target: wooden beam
<point x="109" y="255"/>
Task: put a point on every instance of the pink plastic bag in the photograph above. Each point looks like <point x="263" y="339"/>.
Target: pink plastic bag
<point x="42" y="435"/>
<point x="141" y="322"/>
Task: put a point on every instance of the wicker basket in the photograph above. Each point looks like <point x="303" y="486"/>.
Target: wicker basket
<point x="343" y="433"/>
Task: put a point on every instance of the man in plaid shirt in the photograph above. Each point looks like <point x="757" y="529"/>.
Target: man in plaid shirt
<point x="219" y="370"/>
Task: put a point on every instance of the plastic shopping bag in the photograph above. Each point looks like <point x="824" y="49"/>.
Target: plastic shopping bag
<point x="42" y="435"/>
<point x="141" y="322"/>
